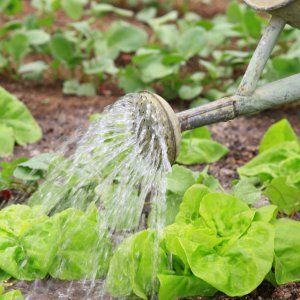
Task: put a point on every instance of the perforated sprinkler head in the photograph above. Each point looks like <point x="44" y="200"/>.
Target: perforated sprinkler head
<point x="162" y="114"/>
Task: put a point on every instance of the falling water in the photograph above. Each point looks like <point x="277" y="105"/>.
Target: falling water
<point x="119" y="164"/>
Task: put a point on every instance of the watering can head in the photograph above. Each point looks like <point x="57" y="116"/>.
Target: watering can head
<point x="288" y="10"/>
<point x="162" y="114"/>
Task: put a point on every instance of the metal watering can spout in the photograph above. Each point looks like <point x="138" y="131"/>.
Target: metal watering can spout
<point x="248" y="99"/>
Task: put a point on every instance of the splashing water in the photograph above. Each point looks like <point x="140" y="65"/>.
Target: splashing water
<point x="120" y="165"/>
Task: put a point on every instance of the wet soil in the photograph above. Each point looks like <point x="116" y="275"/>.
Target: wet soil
<point x="61" y="116"/>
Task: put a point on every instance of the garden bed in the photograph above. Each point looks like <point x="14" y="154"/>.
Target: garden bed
<point x="60" y="116"/>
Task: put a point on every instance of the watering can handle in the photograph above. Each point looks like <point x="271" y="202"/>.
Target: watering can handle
<point x="248" y="99"/>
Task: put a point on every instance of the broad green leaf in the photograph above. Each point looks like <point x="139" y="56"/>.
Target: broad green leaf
<point x="134" y="266"/>
<point x="17" y="46"/>
<point x="196" y="151"/>
<point x="180" y="179"/>
<point x="167" y="34"/>
<point x="189" y="208"/>
<point x="266" y="165"/>
<point x="278" y="133"/>
<point x="187" y="92"/>
<point x="28" y="242"/>
<point x="15" y="115"/>
<point x="252" y="23"/>
<point x="178" y="286"/>
<point x="266" y="213"/>
<point x="247" y="191"/>
<point x="7" y="171"/>
<point x="153" y="68"/>
<point x="198" y="133"/>
<point x="37" y="37"/>
<point x="73" y="8"/>
<point x="100" y="65"/>
<point x="7" y="140"/>
<point x="287" y="251"/>
<point x="104" y="8"/>
<point x="240" y="265"/>
<point x="34" y="69"/>
<point x="130" y="80"/>
<point x="12" y="295"/>
<point x="35" y="168"/>
<point x="125" y="37"/>
<point x="234" y="12"/>
<point x="285" y="196"/>
<point x="61" y="48"/>
<point x="10" y="7"/>
<point x="73" y="87"/>
<point x="234" y="222"/>
<point x="192" y="41"/>
<point x="81" y="252"/>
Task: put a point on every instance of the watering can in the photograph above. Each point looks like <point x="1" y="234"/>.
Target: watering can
<point x="248" y="99"/>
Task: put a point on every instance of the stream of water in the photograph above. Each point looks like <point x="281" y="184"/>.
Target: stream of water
<point x="119" y="164"/>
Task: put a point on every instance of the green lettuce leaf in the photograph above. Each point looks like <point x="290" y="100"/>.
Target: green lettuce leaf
<point x="81" y="252"/>
<point x="134" y="266"/>
<point x="27" y="242"/>
<point x="66" y="245"/>
<point x="284" y="195"/>
<point x="197" y="147"/>
<point x="278" y="133"/>
<point x="266" y="166"/>
<point x="178" y="286"/>
<point x="16" y="120"/>
<point x="287" y="251"/>
<point x="229" y="245"/>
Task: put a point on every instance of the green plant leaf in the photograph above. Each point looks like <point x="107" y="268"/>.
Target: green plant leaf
<point x="278" y="133"/>
<point x="81" y="251"/>
<point x="266" y="165"/>
<point x="125" y="37"/>
<point x="180" y="179"/>
<point x="37" y="37"/>
<point x="15" y="115"/>
<point x="104" y="8"/>
<point x="18" y="46"/>
<point x="73" y="7"/>
<point x="179" y="286"/>
<point x="7" y="140"/>
<point x="247" y="191"/>
<point x="34" y="69"/>
<point x="73" y="87"/>
<point x="192" y="42"/>
<point x="189" y="208"/>
<point x="287" y="251"/>
<point x="61" y="48"/>
<point x="135" y="265"/>
<point x="187" y="92"/>
<point x="285" y="196"/>
<point x="34" y="168"/>
<point x="195" y="150"/>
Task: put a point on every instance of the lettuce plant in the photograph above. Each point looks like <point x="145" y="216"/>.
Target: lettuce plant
<point x="217" y="243"/>
<point x="66" y="245"/>
<point x="277" y="166"/>
<point x="222" y="241"/>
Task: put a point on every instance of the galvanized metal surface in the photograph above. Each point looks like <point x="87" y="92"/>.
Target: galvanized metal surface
<point x="268" y="5"/>
<point x="280" y="92"/>
<point x="261" y="56"/>
<point x="289" y="10"/>
<point x="167" y="117"/>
